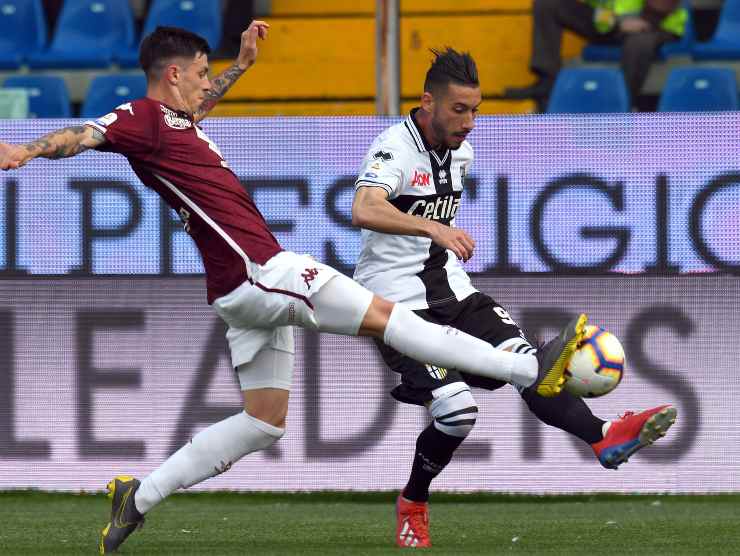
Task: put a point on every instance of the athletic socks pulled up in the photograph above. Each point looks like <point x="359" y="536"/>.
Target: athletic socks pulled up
<point x="567" y="412"/>
<point x="210" y="452"/>
<point x="451" y="348"/>
<point x="434" y="451"/>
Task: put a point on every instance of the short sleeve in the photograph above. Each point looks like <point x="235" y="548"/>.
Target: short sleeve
<point x="381" y="168"/>
<point x="130" y="130"/>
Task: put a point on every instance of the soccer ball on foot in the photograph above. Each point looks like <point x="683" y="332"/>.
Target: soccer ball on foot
<point x="597" y="366"/>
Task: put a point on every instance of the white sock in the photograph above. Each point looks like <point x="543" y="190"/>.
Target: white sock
<point x="451" y="348"/>
<point x="210" y="452"/>
<point x="605" y="428"/>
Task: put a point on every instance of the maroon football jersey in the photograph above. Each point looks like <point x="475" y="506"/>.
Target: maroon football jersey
<point x="172" y="156"/>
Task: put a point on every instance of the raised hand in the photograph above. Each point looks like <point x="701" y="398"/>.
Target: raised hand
<point x="248" y="49"/>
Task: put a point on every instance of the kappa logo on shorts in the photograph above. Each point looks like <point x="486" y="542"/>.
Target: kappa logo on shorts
<point x="309" y="276"/>
<point x="436" y="372"/>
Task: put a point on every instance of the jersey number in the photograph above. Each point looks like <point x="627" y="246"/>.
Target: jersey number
<point x="504" y="315"/>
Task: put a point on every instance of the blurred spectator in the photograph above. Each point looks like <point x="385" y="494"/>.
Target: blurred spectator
<point x="640" y="26"/>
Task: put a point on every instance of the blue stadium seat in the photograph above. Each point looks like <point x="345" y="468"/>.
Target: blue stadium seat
<point x="725" y="43"/>
<point x="589" y="90"/>
<point x="87" y="34"/>
<point x="108" y="91"/>
<point x="613" y="53"/>
<point x="699" y="90"/>
<point x="199" y="16"/>
<point x="47" y="95"/>
<point x="22" y="31"/>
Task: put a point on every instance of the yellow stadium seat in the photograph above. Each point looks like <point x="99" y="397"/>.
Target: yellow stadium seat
<point x="311" y="58"/>
<point x="321" y="7"/>
<point x="333" y="58"/>
<point x="500" y="44"/>
<point x="462" y="6"/>
<point x="367" y="7"/>
<point x="308" y="108"/>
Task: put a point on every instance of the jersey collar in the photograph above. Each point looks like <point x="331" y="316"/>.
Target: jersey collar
<point x="418" y="137"/>
<point x="416" y="133"/>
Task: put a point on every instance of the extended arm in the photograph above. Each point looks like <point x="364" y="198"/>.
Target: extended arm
<point x="247" y="56"/>
<point x="371" y="210"/>
<point x="61" y="143"/>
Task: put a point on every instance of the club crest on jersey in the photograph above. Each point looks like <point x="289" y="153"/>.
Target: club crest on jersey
<point x="421" y="179"/>
<point x="173" y="120"/>
<point x="383" y="155"/>
<point x="442" y="176"/>
<point x="436" y="372"/>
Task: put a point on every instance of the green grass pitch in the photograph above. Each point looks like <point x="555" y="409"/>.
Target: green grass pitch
<point x="353" y="523"/>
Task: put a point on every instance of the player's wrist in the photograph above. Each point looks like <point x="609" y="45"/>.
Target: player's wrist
<point x="244" y="65"/>
<point x="28" y="152"/>
<point x="429" y="228"/>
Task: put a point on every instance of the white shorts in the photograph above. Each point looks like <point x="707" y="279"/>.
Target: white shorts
<point x="270" y="368"/>
<point x="281" y="292"/>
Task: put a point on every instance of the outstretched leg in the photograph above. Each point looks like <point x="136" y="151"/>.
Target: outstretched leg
<point x="398" y="327"/>
<point x="613" y="442"/>
<point x="213" y="450"/>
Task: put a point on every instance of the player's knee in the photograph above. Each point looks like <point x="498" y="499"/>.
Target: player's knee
<point x="455" y="412"/>
<point x="376" y="317"/>
<point x="269" y="405"/>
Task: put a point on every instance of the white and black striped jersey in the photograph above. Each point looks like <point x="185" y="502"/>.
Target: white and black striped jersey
<point x="422" y="182"/>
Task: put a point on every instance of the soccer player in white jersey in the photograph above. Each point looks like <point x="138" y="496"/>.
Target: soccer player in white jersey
<point x="257" y="288"/>
<point x="407" y="195"/>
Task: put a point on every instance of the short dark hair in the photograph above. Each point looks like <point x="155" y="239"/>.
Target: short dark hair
<point x="166" y="43"/>
<point x="448" y="67"/>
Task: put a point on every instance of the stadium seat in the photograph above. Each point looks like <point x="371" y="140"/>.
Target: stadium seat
<point x="47" y="95"/>
<point x="613" y="53"/>
<point x="87" y="33"/>
<point x="699" y="90"/>
<point x="22" y="31"/>
<point x="199" y="16"/>
<point x="725" y="43"/>
<point x="108" y="91"/>
<point x="588" y="90"/>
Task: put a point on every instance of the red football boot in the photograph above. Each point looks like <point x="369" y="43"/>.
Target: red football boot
<point x="631" y="432"/>
<point x="412" y="529"/>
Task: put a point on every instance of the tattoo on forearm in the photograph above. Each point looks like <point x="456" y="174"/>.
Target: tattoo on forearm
<point x="62" y="143"/>
<point x="219" y="85"/>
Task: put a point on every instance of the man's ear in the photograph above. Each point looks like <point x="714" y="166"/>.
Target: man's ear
<point x="427" y="102"/>
<point x="172" y="74"/>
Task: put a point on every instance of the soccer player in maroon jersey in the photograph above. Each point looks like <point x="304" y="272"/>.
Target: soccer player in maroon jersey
<point x="256" y="287"/>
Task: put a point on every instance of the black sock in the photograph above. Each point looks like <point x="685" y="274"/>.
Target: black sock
<point x="434" y="451"/>
<point x="567" y="412"/>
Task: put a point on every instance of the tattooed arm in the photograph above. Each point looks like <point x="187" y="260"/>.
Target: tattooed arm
<point x="61" y="143"/>
<point x="247" y="56"/>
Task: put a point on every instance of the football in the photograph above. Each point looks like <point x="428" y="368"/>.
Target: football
<point x="597" y="366"/>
